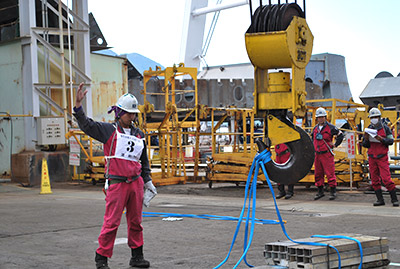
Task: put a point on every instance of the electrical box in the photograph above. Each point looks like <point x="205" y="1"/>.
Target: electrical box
<point x="50" y="130"/>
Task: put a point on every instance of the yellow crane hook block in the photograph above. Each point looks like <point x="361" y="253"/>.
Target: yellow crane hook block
<point x="291" y="48"/>
<point x="279" y="37"/>
<point x="281" y="49"/>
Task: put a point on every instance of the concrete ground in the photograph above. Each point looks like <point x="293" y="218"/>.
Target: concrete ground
<point x="60" y="230"/>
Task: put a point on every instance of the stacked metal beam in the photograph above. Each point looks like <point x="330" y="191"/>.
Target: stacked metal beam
<point x="293" y="255"/>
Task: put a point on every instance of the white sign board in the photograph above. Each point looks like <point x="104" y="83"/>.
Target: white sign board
<point x="189" y="152"/>
<point x="74" y="145"/>
<point x="351" y="145"/>
<point x="74" y="159"/>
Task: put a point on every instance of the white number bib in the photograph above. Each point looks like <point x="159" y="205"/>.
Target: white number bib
<point x="128" y="147"/>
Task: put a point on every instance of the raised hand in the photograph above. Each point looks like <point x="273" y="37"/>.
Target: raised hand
<point x="80" y="95"/>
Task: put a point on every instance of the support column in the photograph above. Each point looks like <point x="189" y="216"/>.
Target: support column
<point x="82" y="49"/>
<point x="27" y="19"/>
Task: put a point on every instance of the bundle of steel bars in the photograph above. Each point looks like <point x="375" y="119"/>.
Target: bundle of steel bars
<point x="294" y="255"/>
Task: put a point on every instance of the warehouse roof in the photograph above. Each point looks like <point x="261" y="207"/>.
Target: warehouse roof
<point x="384" y="90"/>
<point x="137" y="62"/>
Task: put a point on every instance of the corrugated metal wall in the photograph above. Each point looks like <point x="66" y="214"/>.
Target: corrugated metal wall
<point x="11" y="100"/>
<point x="109" y="82"/>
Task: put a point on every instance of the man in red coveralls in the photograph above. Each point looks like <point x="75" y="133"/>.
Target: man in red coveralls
<point x="282" y="155"/>
<point x="378" y="141"/>
<point x="324" y="164"/>
<point x="127" y="172"/>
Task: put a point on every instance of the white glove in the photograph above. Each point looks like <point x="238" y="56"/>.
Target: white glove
<point x="149" y="186"/>
<point x="149" y="193"/>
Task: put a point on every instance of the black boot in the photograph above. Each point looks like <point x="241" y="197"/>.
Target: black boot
<point x="333" y="193"/>
<point x="282" y="192"/>
<point x="393" y="196"/>
<point x="101" y="262"/>
<point x="290" y="191"/>
<point x="137" y="259"/>
<point x="320" y="193"/>
<point x="379" y="196"/>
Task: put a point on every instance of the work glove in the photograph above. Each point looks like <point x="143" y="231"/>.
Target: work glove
<point x="149" y="193"/>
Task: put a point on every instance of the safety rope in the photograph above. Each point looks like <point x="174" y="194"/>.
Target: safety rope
<point x="204" y="216"/>
<point x="258" y="161"/>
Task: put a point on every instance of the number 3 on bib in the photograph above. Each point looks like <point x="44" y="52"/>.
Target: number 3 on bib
<point x="131" y="146"/>
<point x="128" y="147"/>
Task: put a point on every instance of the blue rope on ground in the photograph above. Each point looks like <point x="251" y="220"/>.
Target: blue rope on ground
<point x="258" y="161"/>
<point x="204" y="216"/>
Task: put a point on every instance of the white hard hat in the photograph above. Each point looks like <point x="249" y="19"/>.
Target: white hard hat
<point x="374" y="112"/>
<point x="128" y="103"/>
<point x="321" y="112"/>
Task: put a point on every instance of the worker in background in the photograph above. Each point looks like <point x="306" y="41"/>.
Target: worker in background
<point x="377" y="138"/>
<point x="282" y="155"/>
<point x="324" y="164"/>
<point x="127" y="173"/>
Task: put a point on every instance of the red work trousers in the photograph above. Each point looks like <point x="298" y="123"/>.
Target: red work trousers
<point x="379" y="170"/>
<point x="119" y="196"/>
<point x="324" y="165"/>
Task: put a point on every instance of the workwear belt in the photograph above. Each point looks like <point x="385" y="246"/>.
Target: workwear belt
<point x="321" y="152"/>
<point x="118" y="179"/>
<point x="283" y="152"/>
<point x="376" y="156"/>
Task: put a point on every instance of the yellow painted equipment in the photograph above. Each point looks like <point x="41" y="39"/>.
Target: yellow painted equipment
<point x="291" y="48"/>
<point x="231" y="163"/>
<point x="169" y="130"/>
<point x="275" y="94"/>
<point x="95" y="164"/>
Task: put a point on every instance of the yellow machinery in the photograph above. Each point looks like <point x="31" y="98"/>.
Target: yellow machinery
<point x="169" y="131"/>
<point x="95" y="164"/>
<point x="231" y="163"/>
<point x="283" y="41"/>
